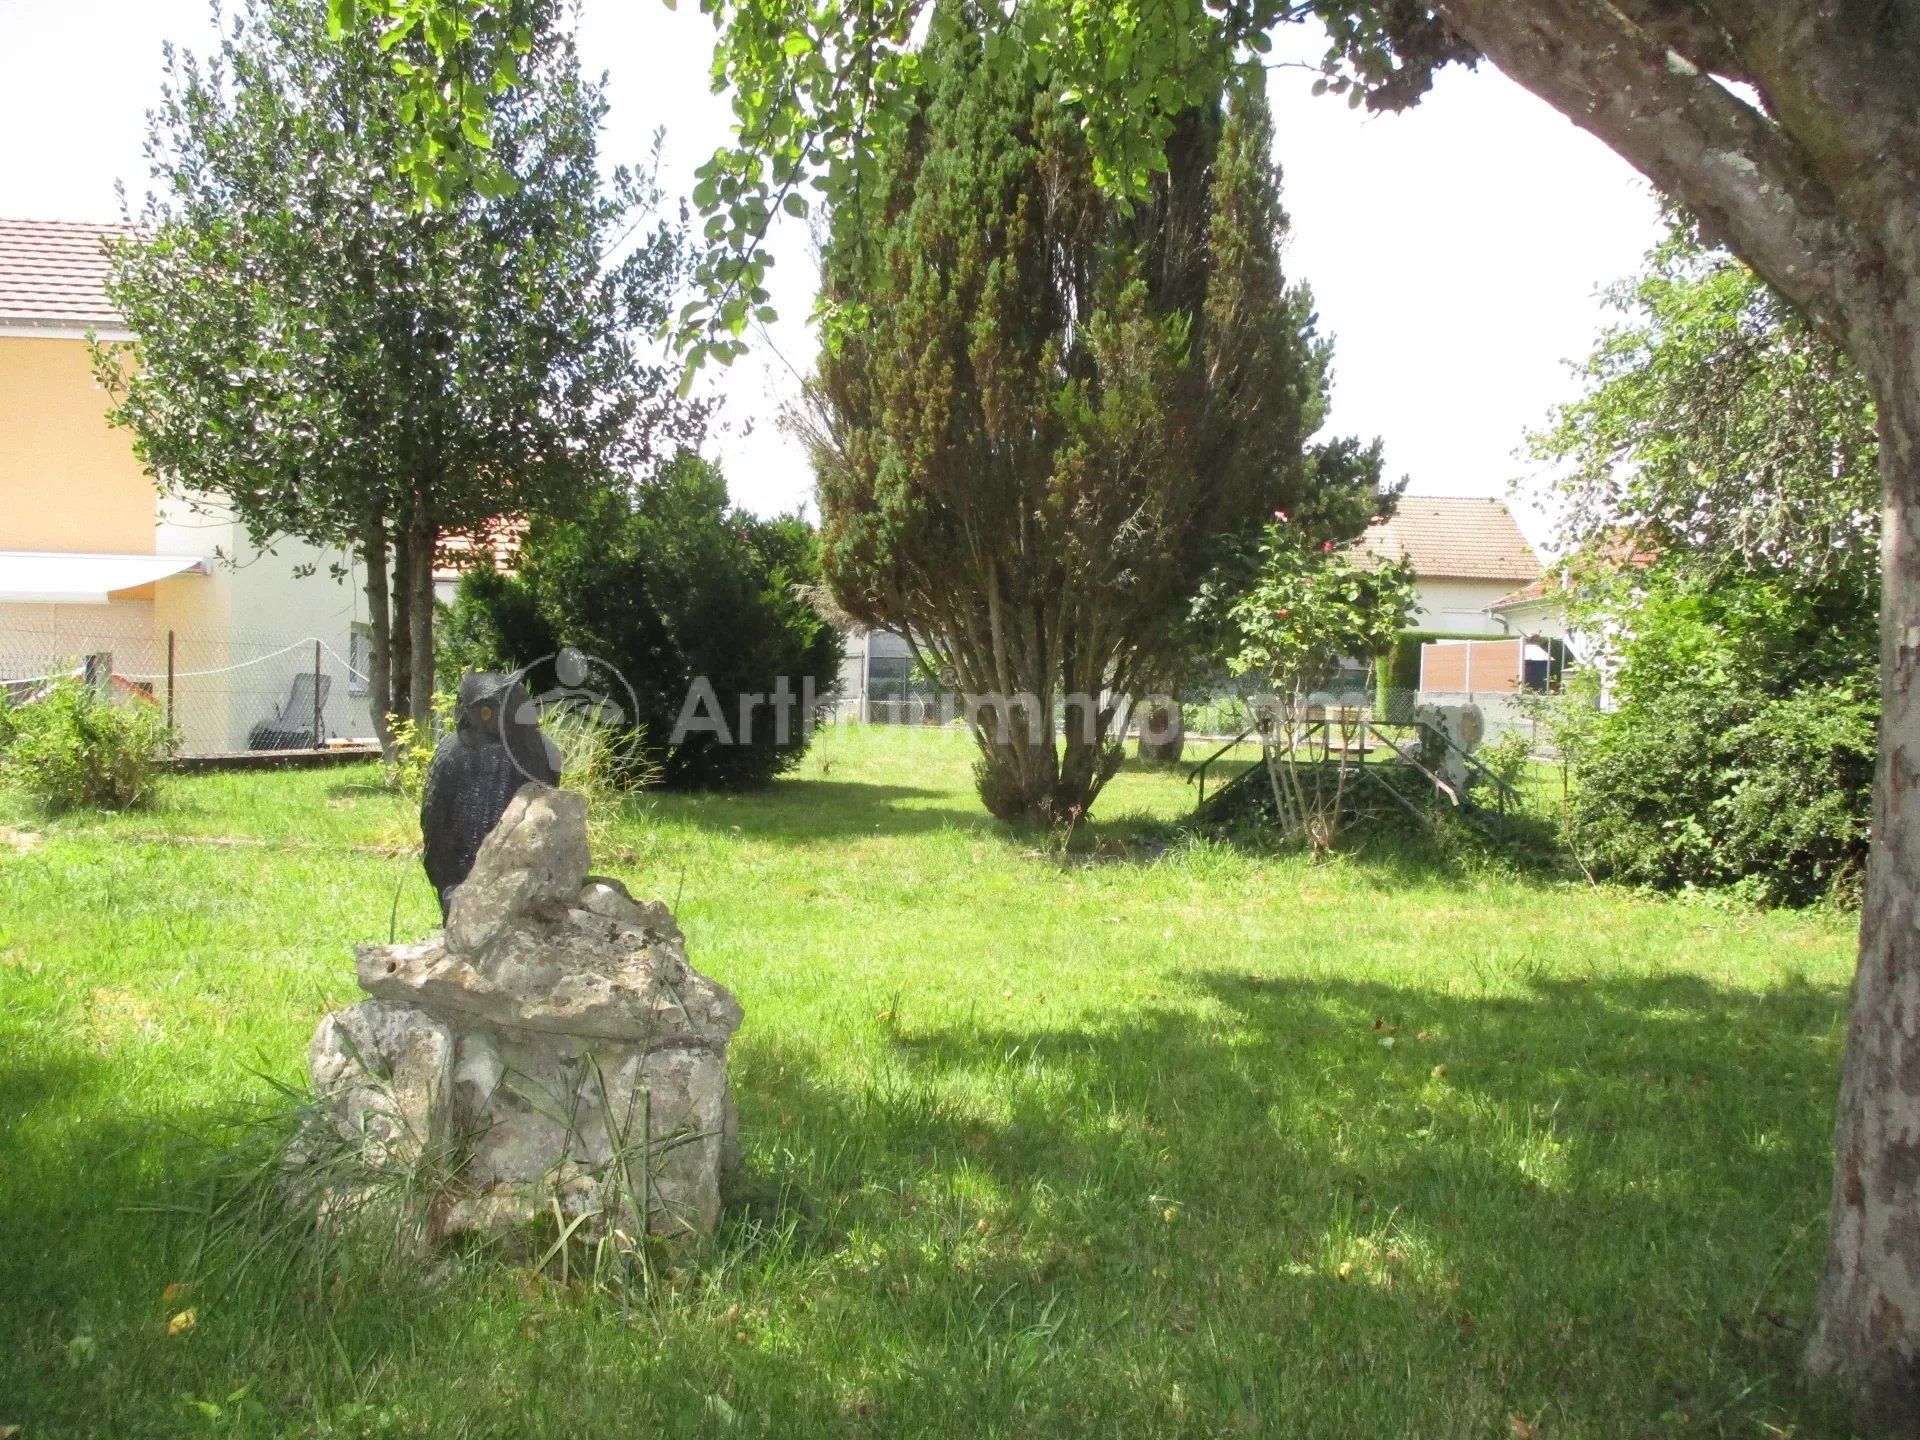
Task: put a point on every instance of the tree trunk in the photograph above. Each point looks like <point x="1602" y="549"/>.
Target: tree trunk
<point x="1019" y="766"/>
<point x="373" y="555"/>
<point x="420" y="614"/>
<point x="400" y="657"/>
<point x="1087" y="762"/>
<point x="1163" y="733"/>
<point x="1866" y="1328"/>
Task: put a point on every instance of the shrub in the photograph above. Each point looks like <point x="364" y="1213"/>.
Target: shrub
<point x="1741" y="755"/>
<point x="668" y="585"/>
<point x="71" y="749"/>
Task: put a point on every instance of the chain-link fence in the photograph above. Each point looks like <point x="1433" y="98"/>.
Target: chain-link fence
<point x="223" y="692"/>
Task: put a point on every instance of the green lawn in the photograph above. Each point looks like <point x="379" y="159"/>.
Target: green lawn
<point x="1191" y="1142"/>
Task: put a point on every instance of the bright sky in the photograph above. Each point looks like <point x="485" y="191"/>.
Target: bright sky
<point x="1454" y="251"/>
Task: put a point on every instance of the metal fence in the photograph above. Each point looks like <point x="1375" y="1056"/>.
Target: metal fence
<point x="223" y="692"/>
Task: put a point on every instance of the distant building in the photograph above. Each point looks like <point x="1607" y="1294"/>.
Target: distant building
<point x="1467" y="554"/>
<point x="97" y="569"/>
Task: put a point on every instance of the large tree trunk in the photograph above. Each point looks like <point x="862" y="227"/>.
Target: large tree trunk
<point x="373" y="555"/>
<point x="1817" y="192"/>
<point x="1019" y="767"/>
<point x="1163" y="732"/>
<point x="1866" y="1327"/>
<point x="420" y="545"/>
<point x="400" y="657"/>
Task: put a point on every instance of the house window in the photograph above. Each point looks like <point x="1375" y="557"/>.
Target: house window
<point x="888" y="677"/>
<point x="359" y="660"/>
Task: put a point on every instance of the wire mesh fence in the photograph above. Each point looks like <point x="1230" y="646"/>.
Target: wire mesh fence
<point x="223" y="692"/>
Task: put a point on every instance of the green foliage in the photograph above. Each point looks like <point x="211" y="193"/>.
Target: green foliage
<point x="1043" y="419"/>
<point x="72" y="749"/>
<point x="1312" y="604"/>
<point x="329" y="361"/>
<point x="1729" y="449"/>
<point x="1719" y="428"/>
<point x="1741" y="753"/>
<point x="413" y="746"/>
<point x="667" y="584"/>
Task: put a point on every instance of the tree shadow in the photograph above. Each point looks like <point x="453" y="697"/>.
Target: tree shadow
<point x="798" y="810"/>
<point x="1594" y="1203"/>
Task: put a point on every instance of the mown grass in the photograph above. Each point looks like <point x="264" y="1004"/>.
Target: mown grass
<point x="1181" y="1141"/>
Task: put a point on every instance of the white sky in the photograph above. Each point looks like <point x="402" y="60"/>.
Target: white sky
<point x="1454" y="251"/>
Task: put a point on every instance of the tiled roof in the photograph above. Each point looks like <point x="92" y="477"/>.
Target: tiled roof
<point x="53" y="272"/>
<point x="1618" y="554"/>
<point x="1454" y="538"/>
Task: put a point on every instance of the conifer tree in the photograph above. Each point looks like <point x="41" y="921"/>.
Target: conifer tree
<point x="1043" y="417"/>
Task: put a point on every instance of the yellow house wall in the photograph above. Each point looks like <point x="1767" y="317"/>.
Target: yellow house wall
<point x="68" y="481"/>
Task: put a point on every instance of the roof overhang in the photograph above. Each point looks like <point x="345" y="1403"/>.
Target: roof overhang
<point x="43" y="577"/>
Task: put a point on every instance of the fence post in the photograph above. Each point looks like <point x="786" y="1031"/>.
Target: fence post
<point x="169" y="679"/>
<point x="316" y="694"/>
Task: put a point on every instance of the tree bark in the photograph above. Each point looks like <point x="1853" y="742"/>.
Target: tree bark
<point x="1819" y="193"/>
<point x="1163" y="733"/>
<point x="421" y="539"/>
<point x="373" y="555"/>
<point x="1866" y="1325"/>
<point x="400" y="658"/>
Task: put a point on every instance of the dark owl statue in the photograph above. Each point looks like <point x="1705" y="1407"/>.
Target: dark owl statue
<point x="495" y="748"/>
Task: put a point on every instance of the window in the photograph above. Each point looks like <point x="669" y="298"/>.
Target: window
<point x="359" y="659"/>
<point x="887" y="677"/>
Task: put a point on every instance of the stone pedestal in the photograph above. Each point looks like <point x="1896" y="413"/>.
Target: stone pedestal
<point x="553" y="1045"/>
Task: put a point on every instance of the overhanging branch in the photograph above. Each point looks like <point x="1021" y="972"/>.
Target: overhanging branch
<point x="1744" y="176"/>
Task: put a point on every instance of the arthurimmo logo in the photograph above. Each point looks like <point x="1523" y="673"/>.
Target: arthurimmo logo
<point x="586" y="694"/>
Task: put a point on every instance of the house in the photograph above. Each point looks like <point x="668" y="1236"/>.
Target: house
<point x="1467" y="555"/>
<point x="102" y="577"/>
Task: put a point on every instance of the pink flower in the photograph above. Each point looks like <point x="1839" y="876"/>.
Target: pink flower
<point x="1326" y="545"/>
<point x="1281" y="613"/>
<point x="1281" y="516"/>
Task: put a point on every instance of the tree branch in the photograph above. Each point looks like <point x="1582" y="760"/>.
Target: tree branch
<point x="1741" y="174"/>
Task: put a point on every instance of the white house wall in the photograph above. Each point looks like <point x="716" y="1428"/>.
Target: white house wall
<point x="1458" y="605"/>
<point x="243" y="632"/>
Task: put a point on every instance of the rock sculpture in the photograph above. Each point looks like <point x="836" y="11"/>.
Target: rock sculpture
<point x="551" y="1046"/>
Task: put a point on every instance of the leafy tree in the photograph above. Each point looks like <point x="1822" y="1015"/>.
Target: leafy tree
<point x="1739" y="750"/>
<point x="327" y="360"/>
<point x="1309" y="607"/>
<point x="1788" y="126"/>
<point x="702" y="609"/>
<point x="1041" y="417"/>
<point x="1719" y="430"/>
<point x="1731" y="447"/>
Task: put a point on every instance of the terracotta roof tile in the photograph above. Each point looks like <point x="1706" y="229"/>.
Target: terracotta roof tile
<point x="53" y="272"/>
<point x="1454" y="538"/>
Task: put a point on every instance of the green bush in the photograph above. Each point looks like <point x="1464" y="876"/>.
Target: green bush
<point x="70" y="749"/>
<point x="1741" y="755"/>
<point x="668" y="584"/>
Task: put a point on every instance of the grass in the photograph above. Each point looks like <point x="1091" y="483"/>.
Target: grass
<point x="1192" y="1142"/>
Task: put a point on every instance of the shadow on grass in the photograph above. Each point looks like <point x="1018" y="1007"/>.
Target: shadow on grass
<point x="800" y="810"/>
<point x="1235" y="1210"/>
<point x="1596" y="1204"/>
